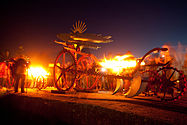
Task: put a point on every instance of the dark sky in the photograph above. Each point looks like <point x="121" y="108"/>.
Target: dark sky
<point x="137" y="26"/>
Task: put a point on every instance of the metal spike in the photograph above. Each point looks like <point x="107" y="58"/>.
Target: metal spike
<point x="81" y="26"/>
<point x="84" y="27"/>
<point x="74" y="29"/>
<point x="84" y="30"/>
<point x="76" y="25"/>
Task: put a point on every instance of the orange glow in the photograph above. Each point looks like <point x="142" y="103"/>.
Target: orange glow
<point x="51" y="65"/>
<point x="81" y="39"/>
<point x="86" y="39"/>
<point x="119" y="64"/>
<point x="166" y="54"/>
<point x="37" y="71"/>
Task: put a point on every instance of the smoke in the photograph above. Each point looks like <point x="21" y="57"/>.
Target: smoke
<point x="177" y="53"/>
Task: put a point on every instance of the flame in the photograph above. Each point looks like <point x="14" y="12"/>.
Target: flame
<point x="37" y="71"/>
<point x="119" y="63"/>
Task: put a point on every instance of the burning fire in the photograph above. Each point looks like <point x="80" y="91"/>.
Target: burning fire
<point x="37" y="72"/>
<point x="119" y="63"/>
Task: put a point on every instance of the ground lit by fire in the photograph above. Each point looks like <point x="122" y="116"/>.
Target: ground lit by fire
<point x="41" y="102"/>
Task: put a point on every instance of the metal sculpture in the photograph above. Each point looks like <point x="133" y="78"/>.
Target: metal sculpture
<point x="81" y="71"/>
<point x="77" y="36"/>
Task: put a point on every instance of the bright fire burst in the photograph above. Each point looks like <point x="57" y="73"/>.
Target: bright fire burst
<point x="37" y="72"/>
<point x="119" y="63"/>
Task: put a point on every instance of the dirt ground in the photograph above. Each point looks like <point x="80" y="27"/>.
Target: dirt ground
<point x="44" y="107"/>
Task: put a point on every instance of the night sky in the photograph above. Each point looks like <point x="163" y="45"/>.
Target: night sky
<point x="137" y="26"/>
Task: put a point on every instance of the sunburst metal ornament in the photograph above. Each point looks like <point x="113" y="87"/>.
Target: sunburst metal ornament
<point x="79" y="27"/>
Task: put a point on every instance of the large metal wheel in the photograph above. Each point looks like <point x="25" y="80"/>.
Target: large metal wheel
<point x="172" y="83"/>
<point x="86" y="80"/>
<point x="65" y="68"/>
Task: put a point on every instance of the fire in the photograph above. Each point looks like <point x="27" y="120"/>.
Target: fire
<point x="37" y="71"/>
<point x="119" y="63"/>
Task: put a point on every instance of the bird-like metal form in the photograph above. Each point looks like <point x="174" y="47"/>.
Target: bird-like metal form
<point x="77" y="36"/>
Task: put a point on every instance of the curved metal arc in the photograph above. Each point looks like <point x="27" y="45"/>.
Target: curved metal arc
<point x="149" y="52"/>
<point x="136" y="86"/>
<point x="119" y="85"/>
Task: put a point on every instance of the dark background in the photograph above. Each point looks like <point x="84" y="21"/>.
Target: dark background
<point x="135" y="25"/>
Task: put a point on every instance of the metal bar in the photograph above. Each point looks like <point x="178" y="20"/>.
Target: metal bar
<point x="98" y="74"/>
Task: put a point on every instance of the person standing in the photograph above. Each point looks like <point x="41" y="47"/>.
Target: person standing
<point x="19" y="73"/>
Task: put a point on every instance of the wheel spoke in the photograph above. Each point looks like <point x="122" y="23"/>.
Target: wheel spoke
<point x="64" y="78"/>
<point x="176" y="88"/>
<point x="59" y="67"/>
<point x="59" y="77"/>
<point x="171" y="74"/>
<point x="69" y="67"/>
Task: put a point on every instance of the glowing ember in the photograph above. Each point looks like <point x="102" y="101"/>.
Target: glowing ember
<point x="119" y="63"/>
<point x="37" y="72"/>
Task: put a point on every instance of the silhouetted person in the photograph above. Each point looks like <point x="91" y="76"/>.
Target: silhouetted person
<point x="19" y="73"/>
